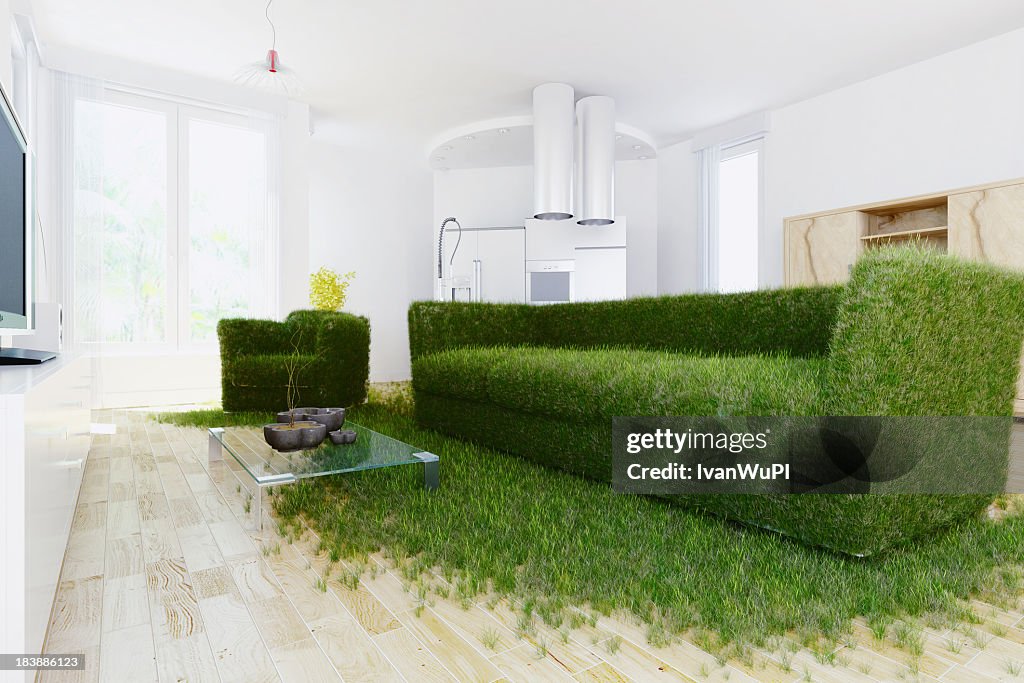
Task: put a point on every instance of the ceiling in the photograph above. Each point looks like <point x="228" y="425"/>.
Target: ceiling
<point x="419" y="68"/>
<point x="510" y="143"/>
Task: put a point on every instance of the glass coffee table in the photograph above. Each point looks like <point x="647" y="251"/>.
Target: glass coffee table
<point x="268" y="467"/>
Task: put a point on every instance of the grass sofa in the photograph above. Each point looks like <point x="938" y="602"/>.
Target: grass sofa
<point x="913" y="333"/>
<point x="330" y="350"/>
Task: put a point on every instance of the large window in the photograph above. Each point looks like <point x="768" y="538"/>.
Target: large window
<point x="172" y="221"/>
<point x="730" y="215"/>
<point x="739" y="217"/>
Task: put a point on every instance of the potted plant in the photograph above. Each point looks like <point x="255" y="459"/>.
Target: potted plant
<point x="294" y="431"/>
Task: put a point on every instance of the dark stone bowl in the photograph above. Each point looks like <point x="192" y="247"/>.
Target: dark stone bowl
<point x="332" y="418"/>
<point x="296" y="437"/>
<point x="343" y="437"/>
<point x="299" y="413"/>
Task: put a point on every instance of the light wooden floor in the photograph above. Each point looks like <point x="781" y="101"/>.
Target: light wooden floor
<point x="161" y="581"/>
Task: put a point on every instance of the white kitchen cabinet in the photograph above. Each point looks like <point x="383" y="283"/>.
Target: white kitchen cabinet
<point x="600" y="273"/>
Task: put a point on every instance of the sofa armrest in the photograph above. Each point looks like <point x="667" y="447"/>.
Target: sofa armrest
<point x="246" y="337"/>
<point x="343" y="354"/>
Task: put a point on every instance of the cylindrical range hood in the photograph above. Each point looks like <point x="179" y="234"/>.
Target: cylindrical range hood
<point x="596" y="203"/>
<point x="553" y="132"/>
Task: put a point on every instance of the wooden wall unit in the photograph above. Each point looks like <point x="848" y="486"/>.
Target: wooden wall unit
<point x="984" y="223"/>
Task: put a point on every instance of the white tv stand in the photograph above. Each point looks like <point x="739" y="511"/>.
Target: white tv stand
<point x="44" y="441"/>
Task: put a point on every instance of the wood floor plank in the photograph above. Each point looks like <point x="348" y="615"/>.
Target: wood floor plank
<point x="122" y="518"/>
<point x="238" y="650"/>
<point x="153" y="506"/>
<point x="174" y="607"/>
<point x="525" y="663"/>
<point x="637" y="663"/>
<point x="411" y="657"/>
<point x="124" y="557"/>
<point x="125" y="602"/>
<point x="304" y="662"/>
<point x="278" y="622"/>
<point x="298" y="585"/>
<point x="209" y="583"/>
<point x="128" y="655"/>
<point x="601" y="673"/>
<point x="186" y="659"/>
<point x="351" y="651"/>
<point x="89" y="517"/>
<point x="461" y="657"/>
<point x="185" y="511"/>
<point x="232" y="540"/>
<point x="199" y="547"/>
<point x="77" y="616"/>
<point x="159" y="541"/>
<point x="85" y="555"/>
<point x="477" y="625"/>
<point x="90" y="674"/>
<point x="365" y="607"/>
<point x="255" y="580"/>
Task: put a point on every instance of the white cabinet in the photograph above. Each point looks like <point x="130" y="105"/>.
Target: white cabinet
<point x="44" y="440"/>
<point x="600" y="273"/>
<point x="502" y="256"/>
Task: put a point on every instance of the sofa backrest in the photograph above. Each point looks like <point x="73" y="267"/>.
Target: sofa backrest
<point x="795" y="321"/>
<point x="922" y="333"/>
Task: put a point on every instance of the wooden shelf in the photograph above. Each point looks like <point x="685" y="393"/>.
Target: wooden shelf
<point x="940" y="231"/>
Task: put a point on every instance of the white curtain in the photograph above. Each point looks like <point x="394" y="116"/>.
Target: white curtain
<point x="75" y="213"/>
<point x="265" y="244"/>
<point x="708" y="160"/>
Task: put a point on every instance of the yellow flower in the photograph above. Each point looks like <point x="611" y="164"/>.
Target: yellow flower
<point x="328" y="290"/>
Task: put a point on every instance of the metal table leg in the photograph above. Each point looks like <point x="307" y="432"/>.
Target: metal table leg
<point x="215" y="452"/>
<point x="431" y="470"/>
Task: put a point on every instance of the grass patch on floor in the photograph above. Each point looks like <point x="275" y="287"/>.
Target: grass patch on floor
<point x="214" y="417"/>
<point x="553" y="541"/>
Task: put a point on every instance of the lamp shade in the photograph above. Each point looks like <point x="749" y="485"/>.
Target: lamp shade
<point x="596" y="203"/>
<point x="553" y="132"/>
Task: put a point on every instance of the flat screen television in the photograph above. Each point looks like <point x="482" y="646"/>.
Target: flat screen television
<point x="16" y="234"/>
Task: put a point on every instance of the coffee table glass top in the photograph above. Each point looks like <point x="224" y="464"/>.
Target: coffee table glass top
<point x="267" y="466"/>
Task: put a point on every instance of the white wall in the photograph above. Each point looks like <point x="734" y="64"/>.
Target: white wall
<point x="677" y="219"/>
<point x="368" y="212"/>
<point x="504" y="196"/>
<point x="5" y="44"/>
<point x="948" y="122"/>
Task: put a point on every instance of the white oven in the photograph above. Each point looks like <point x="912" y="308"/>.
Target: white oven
<point x="550" y="281"/>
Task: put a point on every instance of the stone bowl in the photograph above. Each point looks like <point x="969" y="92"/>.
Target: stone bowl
<point x="299" y="413"/>
<point x="343" y="437"/>
<point x="332" y="418"/>
<point x="299" y="436"/>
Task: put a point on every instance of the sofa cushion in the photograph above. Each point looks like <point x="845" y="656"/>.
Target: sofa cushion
<point x="600" y="384"/>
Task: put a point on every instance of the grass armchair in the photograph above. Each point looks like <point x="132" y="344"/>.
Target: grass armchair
<point x="333" y="350"/>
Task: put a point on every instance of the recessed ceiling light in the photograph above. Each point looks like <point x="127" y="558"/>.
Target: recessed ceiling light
<point x="469" y="137"/>
<point x="618" y="137"/>
<point x="637" y="148"/>
<point x="447" y="148"/>
<point x="502" y="131"/>
<point x="641" y="157"/>
<point x="438" y="158"/>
